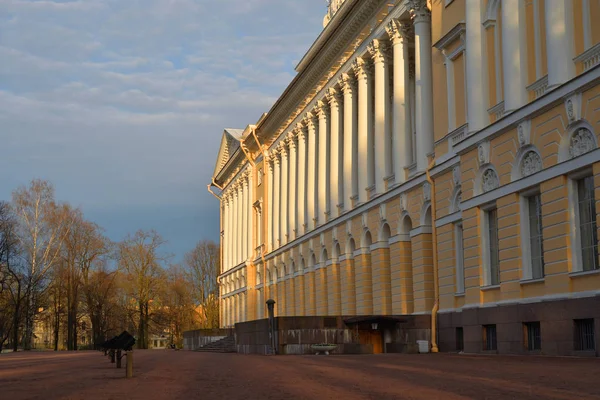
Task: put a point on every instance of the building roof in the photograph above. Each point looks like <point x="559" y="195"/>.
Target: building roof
<point x="230" y="144"/>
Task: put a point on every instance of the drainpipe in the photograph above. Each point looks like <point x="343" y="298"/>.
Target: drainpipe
<point x="436" y="304"/>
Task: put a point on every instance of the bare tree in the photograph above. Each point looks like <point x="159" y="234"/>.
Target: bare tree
<point x="83" y="245"/>
<point x="42" y="225"/>
<point x="203" y="266"/>
<point x="140" y="259"/>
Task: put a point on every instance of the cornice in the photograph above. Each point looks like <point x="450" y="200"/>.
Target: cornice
<point x="337" y="37"/>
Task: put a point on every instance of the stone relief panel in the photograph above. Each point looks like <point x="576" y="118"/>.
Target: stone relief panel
<point x="582" y="141"/>
<point x="489" y="180"/>
<point x="530" y="163"/>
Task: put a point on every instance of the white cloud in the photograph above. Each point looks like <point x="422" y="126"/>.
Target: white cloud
<point x="122" y="103"/>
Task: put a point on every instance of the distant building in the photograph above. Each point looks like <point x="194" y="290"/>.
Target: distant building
<point x="327" y="206"/>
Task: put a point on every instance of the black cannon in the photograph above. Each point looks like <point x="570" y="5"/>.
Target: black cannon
<point x="124" y="341"/>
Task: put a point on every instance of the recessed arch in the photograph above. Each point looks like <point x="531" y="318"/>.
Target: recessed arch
<point x="303" y="265"/>
<point x="366" y="240"/>
<point x="491" y="13"/>
<point x="283" y="270"/>
<point x="323" y="256"/>
<point x="487" y="179"/>
<point x="313" y="260"/>
<point x="527" y="162"/>
<point x="384" y="232"/>
<point x="579" y="139"/>
<point x="456" y="200"/>
<point x="426" y="214"/>
<point x="350" y="247"/>
<point x="335" y="253"/>
<point x="292" y="267"/>
<point x="405" y="225"/>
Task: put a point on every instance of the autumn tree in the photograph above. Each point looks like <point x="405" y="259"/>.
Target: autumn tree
<point x="140" y="259"/>
<point x="176" y="304"/>
<point x="42" y="225"/>
<point x="12" y="277"/>
<point x="83" y="245"/>
<point x="203" y="266"/>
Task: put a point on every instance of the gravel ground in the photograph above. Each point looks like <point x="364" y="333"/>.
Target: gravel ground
<point x="167" y="374"/>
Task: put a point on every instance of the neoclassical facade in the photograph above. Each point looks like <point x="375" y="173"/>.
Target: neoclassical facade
<point x="430" y="157"/>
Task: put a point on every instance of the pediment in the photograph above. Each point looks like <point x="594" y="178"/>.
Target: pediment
<point x="230" y="143"/>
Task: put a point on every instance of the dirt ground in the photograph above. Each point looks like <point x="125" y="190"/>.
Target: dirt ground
<point x="168" y="374"/>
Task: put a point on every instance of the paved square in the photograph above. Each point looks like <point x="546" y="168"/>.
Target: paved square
<point x="166" y="374"/>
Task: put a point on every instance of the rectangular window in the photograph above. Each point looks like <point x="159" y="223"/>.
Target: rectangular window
<point x="494" y="247"/>
<point x="588" y="230"/>
<point x="489" y="337"/>
<point x="459" y="260"/>
<point x="533" y="336"/>
<point x="460" y="341"/>
<point x="536" y="245"/>
<point x="584" y="335"/>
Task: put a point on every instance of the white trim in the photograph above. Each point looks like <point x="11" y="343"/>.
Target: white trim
<point x="485" y="244"/>
<point x="526" y="300"/>
<point x="420" y="231"/>
<point x="526" y="266"/>
<point x="576" y="263"/>
<point x="563" y="168"/>
<point x="401" y="237"/>
<point x="380" y="245"/>
<point x="342" y="258"/>
<point x="539" y="87"/>
<point x="590" y="58"/>
<point x="531" y="109"/>
<point x="448" y="219"/>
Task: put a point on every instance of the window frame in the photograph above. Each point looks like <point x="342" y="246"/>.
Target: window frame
<point x="486" y="330"/>
<point x="578" y="324"/>
<point x="486" y="256"/>
<point x="575" y="222"/>
<point x="526" y="257"/>
<point x="532" y="341"/>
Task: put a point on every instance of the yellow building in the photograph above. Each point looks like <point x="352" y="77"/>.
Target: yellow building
<point x="430" y="157"/>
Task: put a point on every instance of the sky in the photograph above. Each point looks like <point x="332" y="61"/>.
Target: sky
<point x="121" y="104"/>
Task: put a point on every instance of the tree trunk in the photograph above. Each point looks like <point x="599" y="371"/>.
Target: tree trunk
<point x="141" y="327"/>
<point x="28" y="321"/>
<point x="16" y="321"/>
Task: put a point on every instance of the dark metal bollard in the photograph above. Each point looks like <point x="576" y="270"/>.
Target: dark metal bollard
<point x="118" y="358"/>
<point x="112" y="356"/>
<point x="271" y="310"/>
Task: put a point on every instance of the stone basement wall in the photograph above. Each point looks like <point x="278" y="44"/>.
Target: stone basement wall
<point x="193" y="340"/>
<point x="295" y="335"/>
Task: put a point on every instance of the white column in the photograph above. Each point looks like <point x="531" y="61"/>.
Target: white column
<point x="450" y="92"/>
<point x="311" y="163"/>
<point x="383" y="142"/>
<point x="235" y="230"/>
<point x="284" y="194"/>
<point x="301" y="213"/>
<point x="476" y="68"/>
<point x="350" y="166"/>
<point x="231" y="246"/>
<point x="240" y="217"/>
<point x="514" y="56"/>
<point x="323" y="163"/>
<point x="244" y="221"/>
<point x="559" y="41"/>
<point x="225" y="244"/>
<point x="423" y="81"/>
<point x="270" y="173"/>
<point x="364" y="156"/>
<point x="336" y="188"/>
<point x="292" y="184"/>
<point x="401" y="131"/>
<point x="277" y="201"/>
<point x="249" y="218"/>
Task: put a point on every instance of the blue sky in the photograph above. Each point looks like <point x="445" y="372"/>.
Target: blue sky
<point x="122" y="103"/>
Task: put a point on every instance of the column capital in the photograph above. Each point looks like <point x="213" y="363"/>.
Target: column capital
<point x="333" y="97"/>
<point x="378" y="51"/>
<point x="321" y="109"/>
<point x="309" y="120"/>
<point x="361" y="68"/>
<point x="419" y="11"/>
<point x="283" y="151"/>
<point x="347" y="83"/>
<point x="399" y="32"/>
